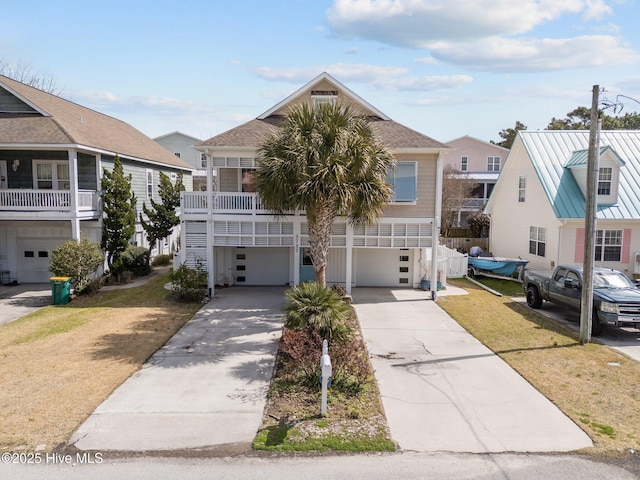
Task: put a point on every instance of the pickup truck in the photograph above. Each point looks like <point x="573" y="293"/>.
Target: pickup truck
<point x="616" y="299"/>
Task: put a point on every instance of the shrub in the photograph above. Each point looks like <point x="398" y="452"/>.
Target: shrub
<point x="190" y="284"/>
<point x="317" y="308"/>
<point x="136" y="260"/>
<point x="161" y="260"/>
<point x="78" y="260"/>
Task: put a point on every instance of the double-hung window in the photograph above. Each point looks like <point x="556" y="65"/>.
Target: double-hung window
<point x="537" y="241"/>
<point x="403" y="180"/>
<point x="493" y="164"/>
<point x="149" y="183"/>
<point x="604" y="180"/>
<point x="51" y="175"/>
<point x="608" y="246"/>
<point x="522" y="188"/>
<point x="464" y="164"/>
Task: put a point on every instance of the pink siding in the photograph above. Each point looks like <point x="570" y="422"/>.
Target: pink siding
<point x="579" y="258"/>
<point x="626" y="245"/>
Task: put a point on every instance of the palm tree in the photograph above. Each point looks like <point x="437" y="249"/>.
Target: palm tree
<point x="324" y="160"/>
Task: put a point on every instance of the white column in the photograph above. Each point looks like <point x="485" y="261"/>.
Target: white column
<point x="436" y="229"/>
<point x="73" y="193"/>
<point x="211" y="269"/>
<point x="349" y="259"/>
<point x="296" y="249"/>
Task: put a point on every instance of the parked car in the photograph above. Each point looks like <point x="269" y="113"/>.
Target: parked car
<point x="616" y="299"/>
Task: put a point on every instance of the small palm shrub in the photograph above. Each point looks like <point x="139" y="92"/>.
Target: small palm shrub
<point x="319" y="309"/>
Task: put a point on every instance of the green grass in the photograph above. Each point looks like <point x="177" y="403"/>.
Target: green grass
<point x="508" y="288"/>
<point x="54" y="326"/>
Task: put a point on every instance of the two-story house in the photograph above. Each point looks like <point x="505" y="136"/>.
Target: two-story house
<point x="239" y="242"/>
<point x="479" y="161"/>
<point x="52" y="155"/>
<point x="538" y="205"/>
<point x="183" y="147"/>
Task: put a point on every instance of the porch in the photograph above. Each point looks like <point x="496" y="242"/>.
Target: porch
<point x="237" y="203"/>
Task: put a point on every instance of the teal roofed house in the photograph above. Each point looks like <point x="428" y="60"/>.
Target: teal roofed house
<point x="538" y="205"/>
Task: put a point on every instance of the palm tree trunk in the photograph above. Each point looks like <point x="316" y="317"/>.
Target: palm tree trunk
<point x="320" y="239"/>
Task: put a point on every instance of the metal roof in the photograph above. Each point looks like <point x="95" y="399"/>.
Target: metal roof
<point x="551" y="150"/>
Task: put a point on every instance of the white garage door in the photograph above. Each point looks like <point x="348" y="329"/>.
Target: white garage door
<point x="262" y="266"/>
<point x="34" y="258"/>
<point x="377" y="267"/>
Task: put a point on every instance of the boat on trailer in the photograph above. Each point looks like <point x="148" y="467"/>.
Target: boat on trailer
<point x="498" y="266"/>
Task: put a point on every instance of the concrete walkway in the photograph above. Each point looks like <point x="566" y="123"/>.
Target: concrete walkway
<point x="20" y="300"/>
<point x="442" y="390"/>
<point x="205" y="387"/>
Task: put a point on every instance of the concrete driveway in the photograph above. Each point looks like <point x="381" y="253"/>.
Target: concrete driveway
<point x="20" y="300"/>
<point x="207" y="385"/>
<point x="442" y="390"/>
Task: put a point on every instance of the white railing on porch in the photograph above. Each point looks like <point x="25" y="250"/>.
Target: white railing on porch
<point x="40" y="200"/>
<point x="223" y="202"/>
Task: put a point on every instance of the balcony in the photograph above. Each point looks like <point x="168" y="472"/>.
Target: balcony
<point x="237" y="203"/>
<point x="473" y="203"/>
<point x="17" y="200"/>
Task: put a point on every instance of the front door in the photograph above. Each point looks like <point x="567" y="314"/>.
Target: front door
<point x="307" y="272"/>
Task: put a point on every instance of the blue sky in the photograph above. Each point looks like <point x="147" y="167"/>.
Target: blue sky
<point x="445" y="68"/>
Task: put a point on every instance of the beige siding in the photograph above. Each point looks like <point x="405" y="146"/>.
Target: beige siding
<point x="425" y="206"/>
<point x="476" y="152"/>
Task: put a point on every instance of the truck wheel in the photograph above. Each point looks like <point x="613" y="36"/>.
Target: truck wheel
<point x="534" y="300"/>
<point x="596" y="326"/>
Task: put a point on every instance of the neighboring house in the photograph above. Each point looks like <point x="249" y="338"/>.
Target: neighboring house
<point x="182" y="146"/>
<point x="538" y="205"/>
<point x="52" y="154"/>
<point x="239" y="242"/>
<point x="480" y="161"/>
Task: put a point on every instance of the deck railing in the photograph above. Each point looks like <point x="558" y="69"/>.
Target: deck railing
<point x="223" y="202"/>
<point x="44" y="200"/>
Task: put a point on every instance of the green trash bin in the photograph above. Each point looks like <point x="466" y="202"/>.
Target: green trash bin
<point x="60" y="290"/>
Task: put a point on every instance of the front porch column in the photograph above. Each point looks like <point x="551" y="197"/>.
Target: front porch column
<point x="296" y="250"/>
<point x="73" y="193"/>
<point x="349" y="259"/>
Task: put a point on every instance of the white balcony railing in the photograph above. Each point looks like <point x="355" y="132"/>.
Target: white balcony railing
<point x="46" y="200"/>
<point x="223" y="202"/>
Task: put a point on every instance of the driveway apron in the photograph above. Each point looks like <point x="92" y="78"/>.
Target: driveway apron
<point x="442" y="390"/>
<point x="205" y="387"/>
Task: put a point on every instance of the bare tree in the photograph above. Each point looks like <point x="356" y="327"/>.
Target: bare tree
<point x="24" y="72"/>
<point x="456" y="187"/>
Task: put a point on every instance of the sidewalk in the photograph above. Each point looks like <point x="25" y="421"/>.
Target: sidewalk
<point x="442" y="390"/>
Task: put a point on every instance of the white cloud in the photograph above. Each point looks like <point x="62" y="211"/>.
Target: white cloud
<point x="510" y="55"/>
<point x="484" y="34"/>
<point x="155" y="104"/>
<point x="381" y="77"/>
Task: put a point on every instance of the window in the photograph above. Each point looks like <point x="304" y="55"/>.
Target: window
<point x="247" y="180"/>
<point x="604" y="180"/>
<point x="608" y="246"/>
<point x="464" y="164"/>
<point x="51" y="175"/>
<point x="537" y="241"/>
<point x="203" y="160"/>
<point x="324" y="96"/>
<point x="174" y="177"/>
<point x="522" y="186"/>
<point x="149" y="183"/>
<point x="493" y="164"/>
<point x="403" y="180"/>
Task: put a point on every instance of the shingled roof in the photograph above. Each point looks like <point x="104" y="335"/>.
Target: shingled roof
<point x="252" y="134"/>
<point x="31" y="117"/>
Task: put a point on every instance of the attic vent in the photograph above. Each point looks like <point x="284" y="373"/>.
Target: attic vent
<point x="324" y="93"/>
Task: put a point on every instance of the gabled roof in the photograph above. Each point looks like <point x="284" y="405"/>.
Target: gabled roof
<point x="549" y="151"/>
<point x="179" y="134"/>
<point x="39" y="119"/>
<point x="581" y="157"/>
<point x="252" y="133"/>
<point x="469" y="137"/>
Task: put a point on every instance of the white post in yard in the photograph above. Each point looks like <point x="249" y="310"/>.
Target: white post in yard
<point x="325" y="367"/>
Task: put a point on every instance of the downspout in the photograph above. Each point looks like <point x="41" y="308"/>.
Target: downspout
<point x="436" y="229"/>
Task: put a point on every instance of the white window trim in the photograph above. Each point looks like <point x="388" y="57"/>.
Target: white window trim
<point x="415" y="176"/>
<point x="148" y="183"/>
<point x="603" y="244"/>
<point x="492" y="159"/>
<point x="522" y="189"/>
<point x="55" y="181"/>
<point x="464" y="163"/>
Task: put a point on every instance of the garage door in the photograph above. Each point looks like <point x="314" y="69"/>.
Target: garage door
<point x="34" y="258"/>
<point x="262" y="266"/>
<point x="377" y="267"/>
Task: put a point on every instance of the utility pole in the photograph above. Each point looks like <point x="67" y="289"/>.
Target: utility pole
<point x="590" y="227"/>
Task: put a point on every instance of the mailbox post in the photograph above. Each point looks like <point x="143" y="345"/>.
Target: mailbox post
<point x="325" y="368"/>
